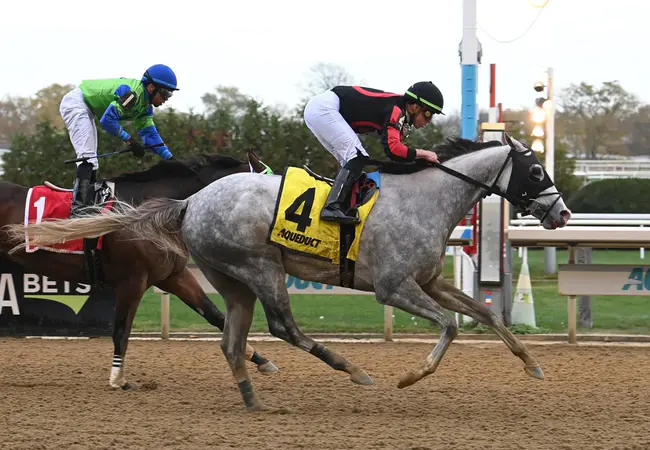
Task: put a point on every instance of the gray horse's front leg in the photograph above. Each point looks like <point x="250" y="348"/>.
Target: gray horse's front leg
<point x="411" y="298"/>
<point x="452" y="298"/>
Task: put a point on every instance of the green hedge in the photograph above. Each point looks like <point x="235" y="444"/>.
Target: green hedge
<point x="628" y="195"/>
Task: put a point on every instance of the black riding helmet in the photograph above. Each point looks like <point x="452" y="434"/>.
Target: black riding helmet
<point x="427" y="95"/>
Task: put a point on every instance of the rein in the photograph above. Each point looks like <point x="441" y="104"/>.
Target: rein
<point x="519" y="202"/>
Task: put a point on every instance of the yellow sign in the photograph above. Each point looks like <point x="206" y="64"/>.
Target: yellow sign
<point x="297" y="225"/>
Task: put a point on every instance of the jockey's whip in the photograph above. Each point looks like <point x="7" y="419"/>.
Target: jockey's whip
<point x="126" y="150"/>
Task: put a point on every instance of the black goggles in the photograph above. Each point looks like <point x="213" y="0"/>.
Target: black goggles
<point x="165" y="93"/>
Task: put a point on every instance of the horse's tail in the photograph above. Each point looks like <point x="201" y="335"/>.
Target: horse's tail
<point x="158" y="221"/>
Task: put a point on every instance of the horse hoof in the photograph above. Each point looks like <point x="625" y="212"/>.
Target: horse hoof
<point x="124" y="387"/>
<point x="361" y="377"/>
<point x="256" y="407"/>
<point x="267" y="367"/>
<point x="535" y="372"/>
<point x="407" y="380"/>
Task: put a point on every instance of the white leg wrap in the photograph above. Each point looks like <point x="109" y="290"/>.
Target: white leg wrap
<point x="117" y="379"/>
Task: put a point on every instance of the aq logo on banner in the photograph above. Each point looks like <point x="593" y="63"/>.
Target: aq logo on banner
<point x="641" y="279"/>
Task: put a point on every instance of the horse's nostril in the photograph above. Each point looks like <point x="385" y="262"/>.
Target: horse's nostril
<point x="566" y="214"/>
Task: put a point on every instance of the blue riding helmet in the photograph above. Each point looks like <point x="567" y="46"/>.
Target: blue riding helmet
<point x="161" y="76"/>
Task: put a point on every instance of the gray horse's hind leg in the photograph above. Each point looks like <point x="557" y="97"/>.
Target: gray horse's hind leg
<point x="240" y="305"/>
<point x="452" y="298"/>
<point x="185" y="287"/>
<point x="272" y="292"/>
<point x="411" y="298"/>
<point x="239" y="312"/>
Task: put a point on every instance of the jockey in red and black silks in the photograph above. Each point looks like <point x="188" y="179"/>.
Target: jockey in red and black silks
<point x="338" y="115"/>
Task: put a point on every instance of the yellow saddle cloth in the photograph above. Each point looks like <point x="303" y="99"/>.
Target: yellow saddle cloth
<point x="296" y="222"/>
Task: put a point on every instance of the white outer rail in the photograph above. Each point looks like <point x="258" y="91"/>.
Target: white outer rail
<point x="577" y="236"/>
<point x="594" y="220"/>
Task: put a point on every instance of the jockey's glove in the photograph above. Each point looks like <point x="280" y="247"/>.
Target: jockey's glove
<point x="136" y="148"/>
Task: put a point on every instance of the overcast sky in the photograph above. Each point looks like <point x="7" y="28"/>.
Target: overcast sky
<point x="266" y="48"/>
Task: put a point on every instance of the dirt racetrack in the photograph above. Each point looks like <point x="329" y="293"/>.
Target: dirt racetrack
<point x="55" y="395"/>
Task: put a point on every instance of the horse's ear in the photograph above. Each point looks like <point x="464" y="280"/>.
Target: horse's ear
<point x="254" y="162"/>
<point x="509" y="140"/>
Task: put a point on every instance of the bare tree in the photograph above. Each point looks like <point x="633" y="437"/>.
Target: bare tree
<point x="22" y="114"/>
<point x="593" y="119"/>
<point x="638" y="139"/>
<point x="324" y="76"/>
<point x="45" y="104"/>
<point x="226" y="98"/>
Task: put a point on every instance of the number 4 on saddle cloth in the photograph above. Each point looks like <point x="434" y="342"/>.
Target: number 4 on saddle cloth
<point x="297" y="226"/>
<point x="50" y="202"/>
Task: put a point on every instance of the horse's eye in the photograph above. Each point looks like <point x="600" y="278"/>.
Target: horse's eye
<point x="536" y="173"/>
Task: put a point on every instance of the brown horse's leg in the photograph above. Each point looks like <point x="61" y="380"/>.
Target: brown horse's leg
<point x="128" y="294"/>
<point x="452" y="298"/>
<point x="187" y="288"/>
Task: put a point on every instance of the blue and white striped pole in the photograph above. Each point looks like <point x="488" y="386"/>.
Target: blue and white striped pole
<point x="469" y="72"/>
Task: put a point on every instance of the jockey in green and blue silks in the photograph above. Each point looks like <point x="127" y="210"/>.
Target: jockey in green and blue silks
<point x="112" y="101"/>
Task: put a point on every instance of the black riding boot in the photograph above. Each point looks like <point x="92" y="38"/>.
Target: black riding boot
<point x="82" y="182"/>
<point x="335" y="209"/>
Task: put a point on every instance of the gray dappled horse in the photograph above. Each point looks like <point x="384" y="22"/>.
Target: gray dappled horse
<point x="224" y="227"/>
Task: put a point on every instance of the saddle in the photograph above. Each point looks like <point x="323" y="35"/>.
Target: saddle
<point x="99" y="193"/>
<point x="362" y="192"/>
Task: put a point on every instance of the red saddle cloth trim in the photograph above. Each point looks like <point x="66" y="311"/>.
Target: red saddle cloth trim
<point x="43" y="203"/>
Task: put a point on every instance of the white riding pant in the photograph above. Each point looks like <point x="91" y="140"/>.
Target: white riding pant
<point x="323" y="118"/>
<point x="80" y="121"/>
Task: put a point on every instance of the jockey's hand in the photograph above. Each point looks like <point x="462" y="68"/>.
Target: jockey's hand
<point x="136" y="148"/>
<point x="427" y="155"/>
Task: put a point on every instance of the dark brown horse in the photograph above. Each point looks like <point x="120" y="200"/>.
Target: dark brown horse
<point x="133" y="266"/>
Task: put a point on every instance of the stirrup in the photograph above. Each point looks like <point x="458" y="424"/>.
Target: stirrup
<point x="330" y="215"/>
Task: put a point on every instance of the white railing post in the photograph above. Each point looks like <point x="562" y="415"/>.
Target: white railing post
<point x="164" y="315"/>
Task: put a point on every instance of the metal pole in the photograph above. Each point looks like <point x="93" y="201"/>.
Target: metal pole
<point x="469" y="71"/>
<point x="642" y="250"/>
<point x="164" y="316"/>
<point x="550" y="258"/>
<point x="550" y="127"/>
<point x="388" y="323"/>
<point x="571" y="306"/>
<point x="469" y="59"/>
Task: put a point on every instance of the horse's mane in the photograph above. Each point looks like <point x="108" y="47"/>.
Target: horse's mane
<point x="453" y="147"/>
<point x="457" y="146"/>
<point x="177" y="168"/>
